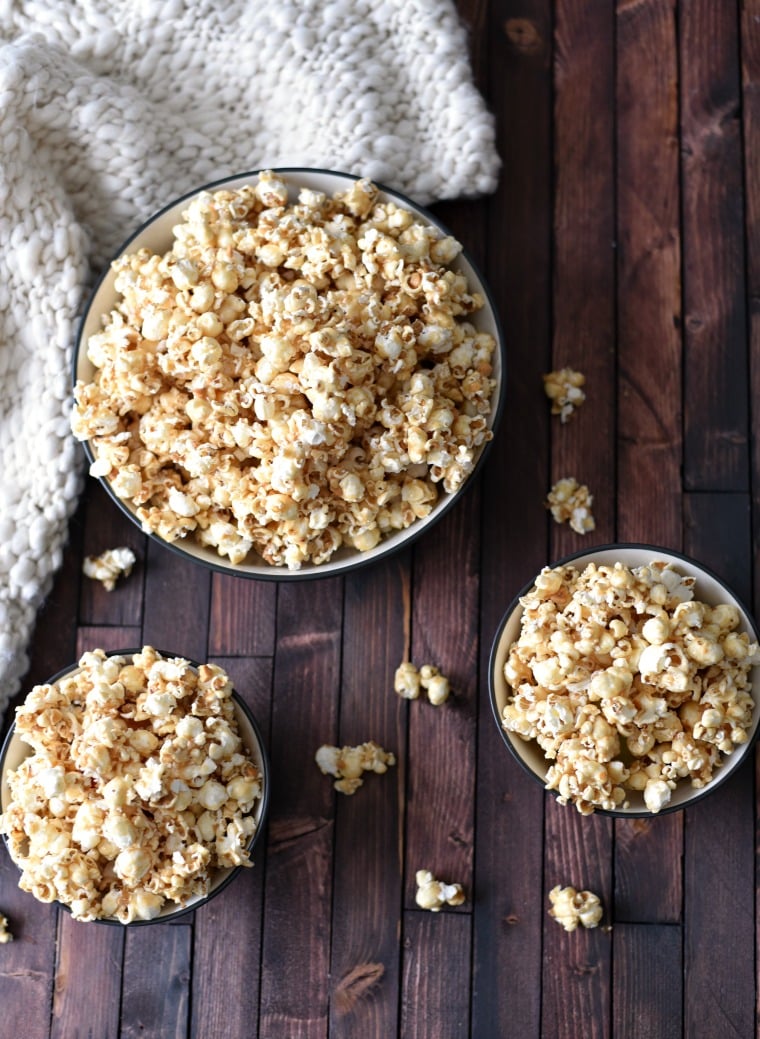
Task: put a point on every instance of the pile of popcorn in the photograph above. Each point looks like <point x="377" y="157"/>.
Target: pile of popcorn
<point x="627" y="683"/>
<point x="139" y="786"/>
<point x="289" y="377"/>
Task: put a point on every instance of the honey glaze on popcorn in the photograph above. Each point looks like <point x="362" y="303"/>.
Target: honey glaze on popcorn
<point x="627" y="683"/>
<point x="138" y="787"/>
<point x="289" y="377"/>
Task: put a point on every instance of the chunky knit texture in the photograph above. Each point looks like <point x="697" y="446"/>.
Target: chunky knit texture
<point x="111" y="108"/>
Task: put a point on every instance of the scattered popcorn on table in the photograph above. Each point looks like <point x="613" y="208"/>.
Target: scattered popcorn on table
<point x="627" y="683"/>
<point x="138" y="786"/>
<point x="109" y="566"/>
<point x="570" y="502"/>
<point x="433" y="894"/>
<point x="563" y="388"/>
<point x="408" y="681"/>
<point x="5" y="932"/>
<point x="348" y="764"/>
<point x="289" y="377"/>
<point x="571" y="907"/>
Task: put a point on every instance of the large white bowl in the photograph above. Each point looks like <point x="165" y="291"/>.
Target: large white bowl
<point x="14" y="750"/>
<point x="156" y="235"/>
<point x="708" y="588"/>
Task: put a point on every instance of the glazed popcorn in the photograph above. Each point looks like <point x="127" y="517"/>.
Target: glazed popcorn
<point x="109" y="566"/>
<point x="627" y="683"/>
<point x="349" y="763"/>
<point x="408" y="681"/>
<point x="563" y="388"/>
<point x="138" y="787"/>
<point x="5" y="931"/>
<point x="570" y="502"/>
<point x="433" y="894"/>
<point x="289" y="377"/>
<point x="570" y="907"/>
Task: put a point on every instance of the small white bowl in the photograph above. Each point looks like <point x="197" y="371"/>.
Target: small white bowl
<point x="708" y="589"/>
<point x="156" y="235"/>
<point x="14" y="750"/>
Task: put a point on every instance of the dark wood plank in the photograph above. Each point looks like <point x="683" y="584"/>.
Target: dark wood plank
<point x="220" y="1005"/>
<point x="157" y="964"/>
<point x="436" y="967"/>
<point x="718" y="534"/>
<point x="296" y="941"/>
<point x="105" y="527"/>
<point x="177" y="603"/>
<point x="649" y="276"/>
<point x="242" y="617"/>
<point x="107" y="638"/>
<point x="88" y="974"/>
<point x="649" y="373"/>
<point x="647" y="987"/>
<point x="584" y="259"/>
<point x="715" y="361"/>
<point x="508" y="834"/>
<point x="367" y="896"/>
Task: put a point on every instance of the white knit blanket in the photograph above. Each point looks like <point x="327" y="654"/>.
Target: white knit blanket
<point x="111" y="108"/>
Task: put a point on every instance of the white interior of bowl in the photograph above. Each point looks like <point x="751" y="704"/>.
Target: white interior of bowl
<point x="157" y="236"/>
<point x="16" y="750"/>
<point x="706" y="589"/>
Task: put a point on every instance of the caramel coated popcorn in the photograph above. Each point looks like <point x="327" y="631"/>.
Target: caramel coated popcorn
<point x="5" y="931"/>
<point x="570" y="502"/>
<point x="348" y="764"/>
<point x="434" y="894"/>
<point x="138" y="787"/>
<point x="627" y="683"/>
<point x="571" y="908"/>
<point x="564" y="389"/>
<point x="289" y="377"/>
<point x="109" y="566"/>
<point x="408" y="681"/>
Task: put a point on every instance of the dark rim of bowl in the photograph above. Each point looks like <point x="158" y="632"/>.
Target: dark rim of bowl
<point x="734" y="760"/>
<point x="263" y="813"/>
<point x="282" y="573"/>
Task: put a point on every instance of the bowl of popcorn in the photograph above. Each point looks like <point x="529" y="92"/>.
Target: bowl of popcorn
<point x="133" y="787"/>
<point x="625" y="680"/>
<point x="288" y="373"/>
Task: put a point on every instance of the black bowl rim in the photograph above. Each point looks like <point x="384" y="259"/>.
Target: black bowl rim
<point x="735" y="760"/>
<point x="263" y="814"/>
<point x="351" y="565"/>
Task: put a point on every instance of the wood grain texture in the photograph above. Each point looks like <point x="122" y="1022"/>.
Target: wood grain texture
<point x="715" y="360"/>
<point x="436" y="963"/>
<point x="242" y="616"/>
<point x="88" y="972"/>
<point x="645" y="1003"/>
<point x="177" y="596"/>
<point x="157" y="965"/>
<point x="648" y="274"/>
<point x="106" y="527"/>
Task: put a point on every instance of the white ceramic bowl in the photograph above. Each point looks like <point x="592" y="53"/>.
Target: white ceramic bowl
<point x="14" y="750"/>
<point x="156" y="235"/>
<point x="708" y="588"/>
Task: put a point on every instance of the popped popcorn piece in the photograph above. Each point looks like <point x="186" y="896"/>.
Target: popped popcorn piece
<point x="290" y="377"/>
<point x="563" y="388"/>
<point x="627" y="683"/>
<point x="138" y="787"/>
<point x="5" y="931"/>
<point x="433" y="894"/>
<point x="408" y="680"/>
<point x="109" y="566"/>
<point x="349" y="763"/>
<point x="570" y="907"/>
<point x="570" y="502"/>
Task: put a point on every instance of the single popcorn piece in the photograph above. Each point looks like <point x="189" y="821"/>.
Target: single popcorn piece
<point x="138" y="787"/>
<point x="109" y="566"/>
<point x="293" y="375"/>
<point x="571" y="908"/>
<point x="627" y="683"/>
<point x="349" y="763"/>
<point x="406" y="681"/>
<point x="5" y="931"/>
<point x="433" y="894"/>
<point x="570" y="502"/>
<point x="563" y="387"/>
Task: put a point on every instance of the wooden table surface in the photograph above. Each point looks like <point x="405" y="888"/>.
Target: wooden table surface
<point x="622" y="241"/>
